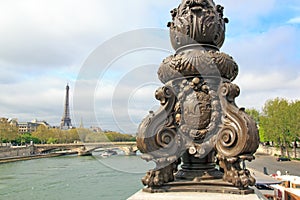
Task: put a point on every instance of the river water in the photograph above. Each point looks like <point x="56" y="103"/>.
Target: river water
<point x="73" y="177"/>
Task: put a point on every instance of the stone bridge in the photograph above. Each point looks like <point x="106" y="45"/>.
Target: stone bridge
<point x="129" y="148"/>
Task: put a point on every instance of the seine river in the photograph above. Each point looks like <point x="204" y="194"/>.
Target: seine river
<point x="72" y="177"/>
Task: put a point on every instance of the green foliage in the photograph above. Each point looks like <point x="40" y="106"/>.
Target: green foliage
<point x="52" y="140"/>
<point x="52" y="136"/>
<point x="280" y="121"/>
<point x="8" y="132"/>
<point x="96" y="137"/>
<point x="294" y="113"/>
<point x="254" y="114"/>
<point x="26" y="139"/>
<point x="55" y="135"/>
<point x="118" y="137"/>
<point x="87" y="135"/>
<point x="42" y="133"/>
<point x="45" y="135"/>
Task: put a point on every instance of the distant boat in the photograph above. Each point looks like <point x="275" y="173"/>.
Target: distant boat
<point x="108" y="153"/>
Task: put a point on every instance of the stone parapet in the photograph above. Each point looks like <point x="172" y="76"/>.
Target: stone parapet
<point x="275" y="151"/>
<point x="192" y="196"/>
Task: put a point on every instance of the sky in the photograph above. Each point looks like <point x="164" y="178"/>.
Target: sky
<point x="109" y="53"/>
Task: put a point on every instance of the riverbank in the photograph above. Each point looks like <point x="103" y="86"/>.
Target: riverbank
<point x="273" y="151"/>
<point x="31" y="157"/>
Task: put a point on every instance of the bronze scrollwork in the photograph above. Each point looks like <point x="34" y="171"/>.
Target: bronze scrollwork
<point x="198" y="124"/>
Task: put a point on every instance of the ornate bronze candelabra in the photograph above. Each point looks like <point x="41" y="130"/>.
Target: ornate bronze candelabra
<point x="198" y="124"/>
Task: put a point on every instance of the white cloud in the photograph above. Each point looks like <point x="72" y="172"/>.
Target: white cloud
<point x="247" y="9"/>
<point x="268" y="65"/>
<point x="268" y="52"/>
<point x="34" y="99"/>
<point x="55" y="33"/>
<point x="44" y="44"/>
<point x="245" y="15"/>
<point x="295" y="20"/>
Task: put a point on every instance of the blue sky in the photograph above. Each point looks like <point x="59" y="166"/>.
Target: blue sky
<point x="46" y="44"/>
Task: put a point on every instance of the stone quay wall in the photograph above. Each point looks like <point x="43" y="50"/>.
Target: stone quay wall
<point x="16" y="151"/>
<point x="276" y="151"/>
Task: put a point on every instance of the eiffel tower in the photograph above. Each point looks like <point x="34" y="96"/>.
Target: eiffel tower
<point x="66" y="120"/>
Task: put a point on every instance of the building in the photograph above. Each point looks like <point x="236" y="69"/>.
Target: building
<point x="29" y="127"/>
<point x="95" y="129"/>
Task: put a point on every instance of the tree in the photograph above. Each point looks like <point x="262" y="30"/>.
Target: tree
<point x="43" y="134"/>
<point x="73" y="135"/>
<point x="294" y="111"/>
<point x="55" y="135"/>
<point x="276" y="122"/>
<point x="118" y="137"/>
<point x="96" y="137"/>
<point x="26" y="139"/>
<point x="8" y="132"/>
<point x="82" y="133"/>
<point x="254" y="114"/>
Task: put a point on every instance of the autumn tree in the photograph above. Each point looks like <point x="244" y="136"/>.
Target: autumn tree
<point x="73" y="135"/>
<point x="8" y="132"/>
<point x="56" y="135"/>
<point x="118" y="137"/>
<point x="43" y="134"/>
